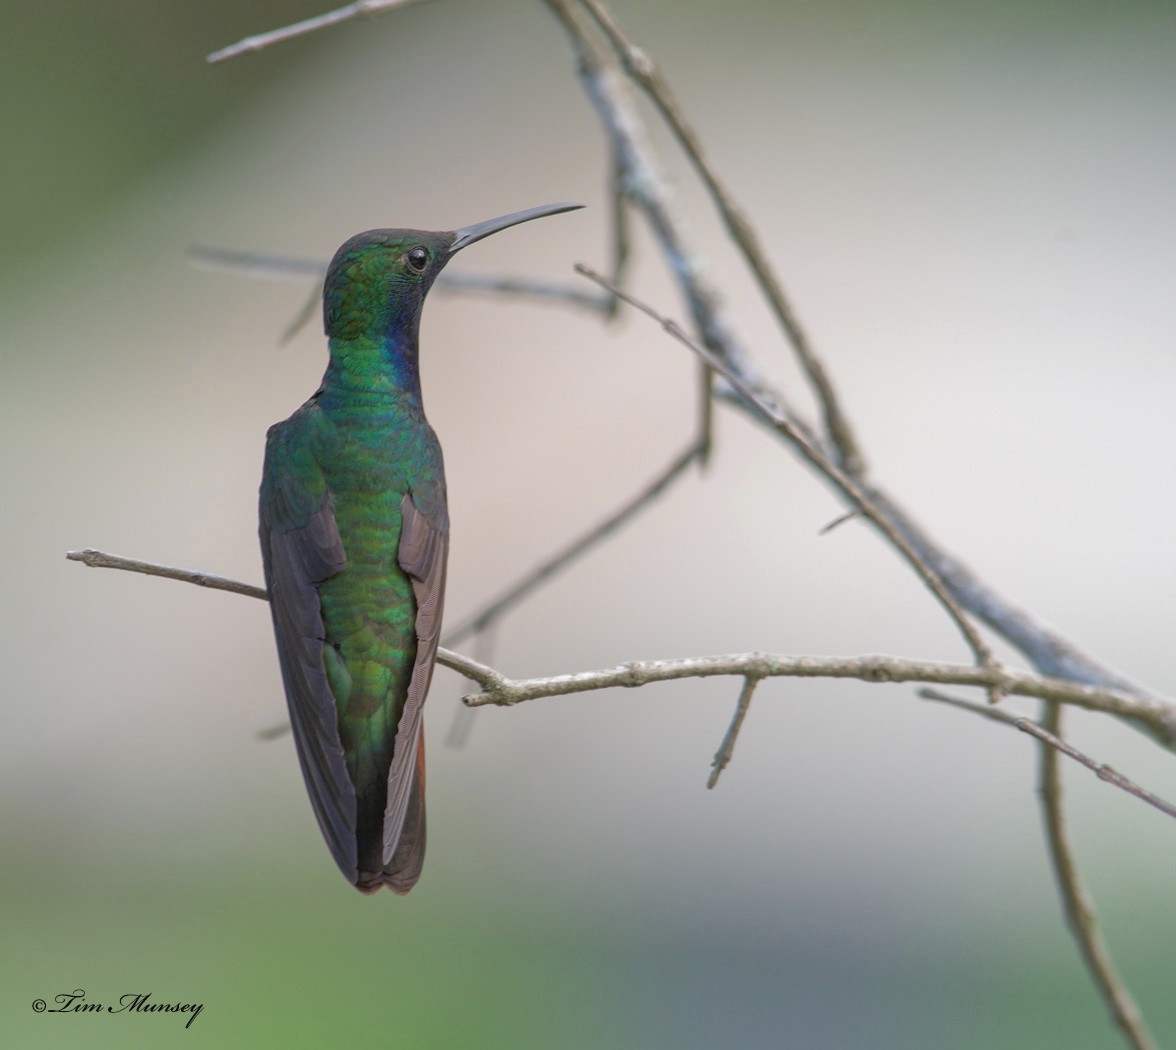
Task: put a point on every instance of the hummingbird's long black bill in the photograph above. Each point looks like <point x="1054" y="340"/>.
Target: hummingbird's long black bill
<point x="468" y="234"/>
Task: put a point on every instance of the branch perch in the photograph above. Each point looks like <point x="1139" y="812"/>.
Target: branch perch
<point x="498" y="689"/>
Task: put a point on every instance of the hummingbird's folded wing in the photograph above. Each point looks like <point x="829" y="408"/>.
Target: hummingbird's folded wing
<point x="422" y="553"/>
<point x="299" y="551"/>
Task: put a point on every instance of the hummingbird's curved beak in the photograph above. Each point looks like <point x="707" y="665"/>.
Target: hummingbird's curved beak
<point x="468" y="234"/>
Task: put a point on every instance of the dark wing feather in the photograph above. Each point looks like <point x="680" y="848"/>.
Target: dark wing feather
<point x="423" y="552"/>
<point x="300" y="549"/>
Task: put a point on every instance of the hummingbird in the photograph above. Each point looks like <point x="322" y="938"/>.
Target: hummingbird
<point x="354" y="538"/>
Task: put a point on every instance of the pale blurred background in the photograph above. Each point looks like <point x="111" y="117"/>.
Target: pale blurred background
<point x="973" y="210"/>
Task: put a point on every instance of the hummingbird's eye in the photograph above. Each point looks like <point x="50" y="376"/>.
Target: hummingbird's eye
<point x="418" y="259"/>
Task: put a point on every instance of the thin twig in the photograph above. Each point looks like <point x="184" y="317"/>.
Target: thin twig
<point x="541" y="573"/>
<point x="274" y="732"/>
<point x="1031" y="728"/>
<point x="727" y="748"/>
<point x="645" y="185"/>
<point x="96" y="559"/>
<point x="706" y="414"/>
<point x="1076" y="902"/>
<point x="1099" y="769"/>
<point x="645" y="72"/>
<point x="343" y="14"/>
<point x="101" y="560"/>
<point x="256" y="264"/>
<point x="848" y="486"/>
<point x="309" y="308"/>
<point x="619" y="216"/>
<point x="285" y="268"/>
<point x="841" y="519"/>
<point x="462" y="723"/>
<point x="1047" y="650"/>
<point x="528" y="287"/>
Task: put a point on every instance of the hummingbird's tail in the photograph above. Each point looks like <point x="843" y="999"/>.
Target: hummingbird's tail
<point x="401" y="873"/>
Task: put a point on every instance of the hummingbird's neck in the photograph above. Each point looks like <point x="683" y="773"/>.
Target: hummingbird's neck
<point x="374" y="369"/>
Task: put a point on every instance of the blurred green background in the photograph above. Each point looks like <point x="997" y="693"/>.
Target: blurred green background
<point x="973" y="211"/>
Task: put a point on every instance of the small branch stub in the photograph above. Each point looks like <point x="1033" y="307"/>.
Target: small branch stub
<point x="727" y="748"/>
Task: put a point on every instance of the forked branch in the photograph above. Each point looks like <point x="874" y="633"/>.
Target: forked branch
<point x="799" y="440"/>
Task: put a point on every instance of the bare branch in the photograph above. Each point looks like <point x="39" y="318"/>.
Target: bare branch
<point x="1076" y="902"/>
<point x="1049" y="652"/>
<point x="722" y="757"/>
<point x="343" y="14"/>
<point x="256" y="264"/>
<point x="499" y="690"/>
<point x="529" y="287"/>
<point x="645" y="72"/>
<point x="462" y="723"/>
<point x="485" y="616"/>
<point x="505" y="692"/>
<point x="102" y="560"/>
<point x="645" y="185"/>
<point x="472" y="669"/>
<point x="1100" y="769"/>
<point x="285" y="268"/>
<point x="847" y="485"/>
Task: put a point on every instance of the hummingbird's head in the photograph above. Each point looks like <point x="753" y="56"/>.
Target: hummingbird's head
<point x="377" y="281"/>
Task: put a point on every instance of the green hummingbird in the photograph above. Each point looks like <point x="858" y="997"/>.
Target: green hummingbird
<point x="354" y="538"/>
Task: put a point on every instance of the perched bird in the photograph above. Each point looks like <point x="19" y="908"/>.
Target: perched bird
<point x="354" y="538"/>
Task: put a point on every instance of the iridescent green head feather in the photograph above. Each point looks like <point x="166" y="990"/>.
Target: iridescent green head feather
<point x="379" y="277"/>
<point x="377" y="281"/>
